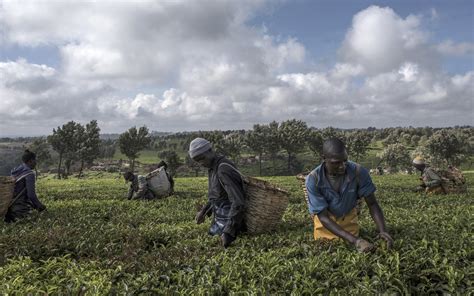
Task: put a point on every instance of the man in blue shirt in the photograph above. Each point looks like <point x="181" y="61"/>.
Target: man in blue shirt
<point x="334" y="188"/>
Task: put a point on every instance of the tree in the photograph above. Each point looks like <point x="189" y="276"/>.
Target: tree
<point x="256" y="141"/>
<point x="72" y="152"/>
<point x="415" y="139"/>
<point x="448" y="146"/>
<point x="357" y="143"/>
<point x="193" y="165"/>
<point x="272" y="141"/>
<point x="64" y="141"/>
<point x="292" y="135"/>
<point x="315" y="143"/>
<point x="395" y="156"/>
<point x="133" y="141"/>
<point x="107" y="149"/>
<point x="331" y="132"/>
<point x="231" y="146"/>
<point x="172" y="160"/>
<point x="90" y="146"/>
<point x="41" y="148"/>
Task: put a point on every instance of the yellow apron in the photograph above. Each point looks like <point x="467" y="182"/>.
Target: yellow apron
<point x="347" y="222"/>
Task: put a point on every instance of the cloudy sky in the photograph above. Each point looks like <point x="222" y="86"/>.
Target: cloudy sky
<point x="190" y="65"/>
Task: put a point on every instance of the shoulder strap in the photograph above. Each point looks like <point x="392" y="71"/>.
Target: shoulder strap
<point x="231" y="166"/>
<point x="24" y="176"/>
<point x="23" y="190"/>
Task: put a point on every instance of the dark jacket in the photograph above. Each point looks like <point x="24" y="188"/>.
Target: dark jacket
<point x="226" y="196"/>
<point x="28" y="182"/>
<point x="25" y="198"/>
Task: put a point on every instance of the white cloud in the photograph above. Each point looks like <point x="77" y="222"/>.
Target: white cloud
<point x="408" y="72"/>
<point x="449" y="47"/>
<point x="380" y="40"/>
<point x="198" y="65"/>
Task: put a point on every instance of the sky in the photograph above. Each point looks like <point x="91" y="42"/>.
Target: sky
<point x="213" y="64"/>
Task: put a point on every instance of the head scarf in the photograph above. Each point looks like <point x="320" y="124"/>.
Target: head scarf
<point x="418" y="160"/>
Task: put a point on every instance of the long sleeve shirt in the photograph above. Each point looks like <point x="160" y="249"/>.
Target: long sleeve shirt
<point x="226" y="186"/>
<point x="430" y="178"/>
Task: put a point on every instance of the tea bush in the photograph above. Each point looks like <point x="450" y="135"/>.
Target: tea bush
<point x="92" y="241"/>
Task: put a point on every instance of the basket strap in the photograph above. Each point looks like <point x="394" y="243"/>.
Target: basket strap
<point x="241" y="176"/>
<point x="17" y="197"/>
<point x="315" y="176"/>
<point x="24" y="176"/>
<point x="22" y="191"/>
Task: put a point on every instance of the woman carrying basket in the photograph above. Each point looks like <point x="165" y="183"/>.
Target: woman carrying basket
<point x="334" y="188"/>
<point x="25" y="198"/>
<point x="226" y="196"/>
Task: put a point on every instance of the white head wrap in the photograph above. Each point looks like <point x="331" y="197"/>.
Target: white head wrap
<point x="418" y="160"/>
<point x="198" y="146"/>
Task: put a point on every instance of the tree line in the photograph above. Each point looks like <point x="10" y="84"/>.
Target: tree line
<point x="73" y="143"/>
<point x="440" y="146"/>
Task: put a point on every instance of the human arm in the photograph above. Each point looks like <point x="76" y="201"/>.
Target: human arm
<point x="163" y="164"/>
<point x="206" y="210"/>
<point x="377" y="216"/>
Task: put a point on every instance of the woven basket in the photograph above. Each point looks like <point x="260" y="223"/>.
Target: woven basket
<point x="302" y="178"/>
<point x="266" y="204"/>
<point x="7" y="184"/>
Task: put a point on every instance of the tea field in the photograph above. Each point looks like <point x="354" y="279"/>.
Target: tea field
<point x="92" y="241"/>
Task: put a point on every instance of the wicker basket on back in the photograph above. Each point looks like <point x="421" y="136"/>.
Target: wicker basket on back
<point x="7" y="184"/>
<point x="302" y="178"/>
<point x="266" y="204"/>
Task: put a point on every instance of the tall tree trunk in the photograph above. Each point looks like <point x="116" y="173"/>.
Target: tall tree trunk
<point x="59" y="166"/>
<point x="260" y="164"/>
<point x="82" y="167"/>
<point x="289" y="162"/>
<point x="68" y="167"/>
<point x="274" y="164"/>
<point x="132" y="165"/>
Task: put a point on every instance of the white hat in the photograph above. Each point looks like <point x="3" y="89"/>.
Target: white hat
<point x="198" y="146"/>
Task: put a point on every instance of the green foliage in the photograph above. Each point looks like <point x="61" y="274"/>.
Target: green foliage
<point x="263" y="139"/>
<point x="448" y="146"/>
<point x="292" y="134"/>
<point x="315" y="143"/>
<point x="396" y="156"/>
<point x="133" y="141"/>
<point x="92" y="241"/>
<point x="89" y="147"/>
<point x="66" y="141"/>
<point x="357" y="143"/>
<point x="172" y="160"/>
<point x="41" y="147"/>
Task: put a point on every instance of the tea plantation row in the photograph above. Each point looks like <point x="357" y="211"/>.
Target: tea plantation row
<point x="92" y="241"/>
